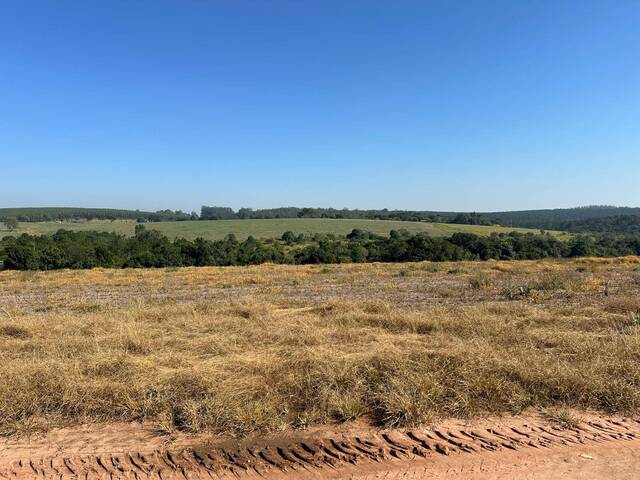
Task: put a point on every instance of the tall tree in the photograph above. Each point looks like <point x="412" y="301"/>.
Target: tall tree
<point x="11" y="223"/>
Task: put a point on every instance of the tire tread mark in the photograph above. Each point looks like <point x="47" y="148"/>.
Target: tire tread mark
<point x="314" y="455"/>
<point x="302" y="458"/>
<point x="484" y="443"/>
<point x="397" y="449"/>
<point x="378" y="450"/>
<point x="282" y="453"/>
<point x="423" y="442"/>
<point x="457" y="444"/>
<point x="507" y="437"/>
<point x="340" y="446"/>
<point x="336" y="454"/>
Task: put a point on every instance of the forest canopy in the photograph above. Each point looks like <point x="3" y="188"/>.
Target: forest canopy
<point x="149" y="248"/>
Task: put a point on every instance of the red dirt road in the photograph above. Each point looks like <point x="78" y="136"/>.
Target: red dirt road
<point x="515" y="447"/>
<point x="614" y="460"/>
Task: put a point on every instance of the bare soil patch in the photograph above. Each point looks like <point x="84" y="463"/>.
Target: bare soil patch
<point x="524" y="446"/>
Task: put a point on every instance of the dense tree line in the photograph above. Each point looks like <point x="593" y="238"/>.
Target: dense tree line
<point x="226" y="213"/>
<point x="470" y="219"/>
<point x="217" y="213"/>
<point x="573" y="219"/>
<point x="614" y="224"/>
<point x="559" y="218"/>
<point x="149" y="248"/>
<point x="49" y="214"/>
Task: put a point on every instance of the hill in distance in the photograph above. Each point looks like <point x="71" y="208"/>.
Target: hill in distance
<point x="581" y="219"/>
<point x="561" y="218"/>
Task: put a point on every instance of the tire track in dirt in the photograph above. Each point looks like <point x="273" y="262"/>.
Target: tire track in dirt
<point x="313" y="456"/>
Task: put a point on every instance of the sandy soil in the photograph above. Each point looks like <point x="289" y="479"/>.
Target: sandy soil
<point x="613" y="460"/>
<point x="526" y="447"/>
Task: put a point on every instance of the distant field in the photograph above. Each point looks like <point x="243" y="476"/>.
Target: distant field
<point x="217" y="229"/>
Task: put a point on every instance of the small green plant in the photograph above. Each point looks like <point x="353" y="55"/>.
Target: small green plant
<point x="635" y="319"/>
<point x="404" y="273"/>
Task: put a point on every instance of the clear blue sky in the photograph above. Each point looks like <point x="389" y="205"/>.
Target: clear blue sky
<point x="435" y="105"/>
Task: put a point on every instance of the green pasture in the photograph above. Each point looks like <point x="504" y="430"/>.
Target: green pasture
<point x="269" y="228"/>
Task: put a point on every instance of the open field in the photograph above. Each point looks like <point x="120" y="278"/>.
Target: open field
<point x="271" y="228"/>
<point x="306" y="363"/>
<point x="256" y="349"/>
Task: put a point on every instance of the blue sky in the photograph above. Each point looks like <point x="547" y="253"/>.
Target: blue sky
<point x="431" y="105"/>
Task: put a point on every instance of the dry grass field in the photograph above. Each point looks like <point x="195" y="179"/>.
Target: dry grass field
<point x="269" y="348"/>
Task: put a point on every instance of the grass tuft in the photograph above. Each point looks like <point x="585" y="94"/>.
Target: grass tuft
<point x="563" y="416"/>
<point x="14" y="331"/>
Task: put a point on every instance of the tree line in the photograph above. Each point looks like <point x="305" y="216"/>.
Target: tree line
<point x="613" y="224"/>
<point x="601" y="218"/>
<point x="226" y="213"/>
<point x="52" y="214"/>
<point x="149" y="248"/>
<point x="562" y="218"/>
<point x="582" y="219"/>
<point x="9" y="216"/>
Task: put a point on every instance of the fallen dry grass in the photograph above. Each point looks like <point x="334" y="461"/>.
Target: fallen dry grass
<point x="266" y="348"/>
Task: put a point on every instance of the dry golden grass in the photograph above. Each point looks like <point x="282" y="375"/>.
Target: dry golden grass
<point x="254" y="349"/>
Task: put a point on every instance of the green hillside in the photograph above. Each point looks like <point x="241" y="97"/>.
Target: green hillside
<point x="268" y="228"/>
<point x="592" y="218"/>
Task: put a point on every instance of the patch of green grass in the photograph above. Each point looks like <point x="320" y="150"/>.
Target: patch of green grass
<point x="269" y="228"/>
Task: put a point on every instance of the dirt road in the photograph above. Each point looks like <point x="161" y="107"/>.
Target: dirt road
<point x="613" y="460"/>
<point x="516" y="447"/>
